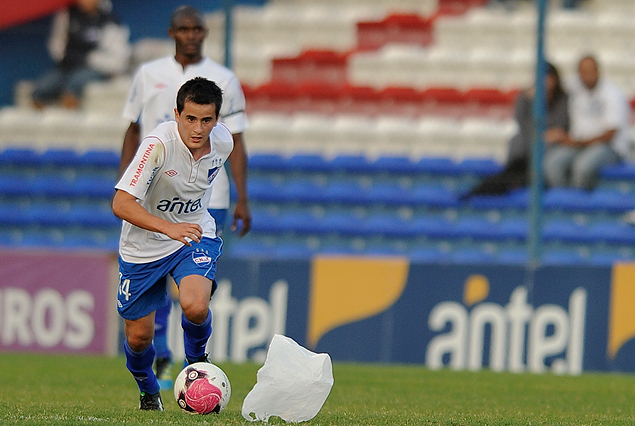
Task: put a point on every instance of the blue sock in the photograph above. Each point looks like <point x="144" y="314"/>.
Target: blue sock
<point x="161" y="331"/>
<point x="140" y="365"/>
<point x="196" y="336"/>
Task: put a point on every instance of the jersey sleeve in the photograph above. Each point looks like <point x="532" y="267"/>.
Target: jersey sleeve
<point x="222" y="140"/>
<point x="134" y="101"/>
<point x="233" y="109"/>
<point x="143" y="168"/>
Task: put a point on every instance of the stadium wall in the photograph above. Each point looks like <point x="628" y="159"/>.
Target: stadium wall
<point x="564" y="320"/>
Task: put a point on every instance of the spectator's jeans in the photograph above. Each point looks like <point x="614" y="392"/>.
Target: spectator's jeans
<point x="577" y="167"/>
<point x="55" y="82"/>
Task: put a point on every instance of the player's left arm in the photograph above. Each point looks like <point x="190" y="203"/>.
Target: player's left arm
<point x="239" y="169"/>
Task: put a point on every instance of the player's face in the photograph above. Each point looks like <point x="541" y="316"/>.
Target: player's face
<point x="195" y="123"/>
<point x="188" y="34"/>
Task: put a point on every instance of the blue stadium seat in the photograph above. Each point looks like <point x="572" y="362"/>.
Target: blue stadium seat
<point x="565" y="230"/>
<point x="477" y="228"/>
<point x="611" y="201"/>
<point x="612" y="232"/>
<point x="93" y="187"/>
<point x="264" y="189"/>
<point x="389" y="193"/>
<point x="512" y="257"/>
<point x="345" y="192"/>
<point x="472" y="255"/>
<point x="386" y="224"/>
<point x="438" y="166"/>
<point x="432" y="227"/>
<point x="20" y="157"/>
<point x="434" y="196"/>
<point x="513" y="229"/>
<point x="60" y="157"/>
<point x="16" y="185"/>
<point x="292" y="250"/>
<point x="93" y="216"/>
<point x="100" y="158"/>
<point x="518" y="199"/>
<point x="479" y="166"/>
<point x="267" y="162"/>
<point x="308" y="163"/>
<point x="351" y="164"/>
<point x="568" y="199"/>
<point x="395" y="165"/>
<point x="563" y="257"/>
<point x="423" y="254"/>
<point x="302" y="190"/>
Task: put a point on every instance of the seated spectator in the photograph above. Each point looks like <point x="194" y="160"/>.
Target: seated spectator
<point x="87" y="44"/>
<point x="599" y="114"/>
<point x="517" y="170"/>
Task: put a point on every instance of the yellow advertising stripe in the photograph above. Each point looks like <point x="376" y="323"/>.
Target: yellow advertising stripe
<point x="348" y="289"/>
<point x="621" y="311"/>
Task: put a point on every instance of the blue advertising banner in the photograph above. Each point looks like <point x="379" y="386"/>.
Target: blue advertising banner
<point x="566" y="320"/>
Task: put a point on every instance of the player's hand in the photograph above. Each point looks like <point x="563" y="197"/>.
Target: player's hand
<point x="243" y="215"/>
<point x="185" y="232"/>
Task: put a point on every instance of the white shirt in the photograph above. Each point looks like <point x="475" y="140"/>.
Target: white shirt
<point x="152" y="99"/>
<point x="168" y="183"/>
<point x="593" y="112"/>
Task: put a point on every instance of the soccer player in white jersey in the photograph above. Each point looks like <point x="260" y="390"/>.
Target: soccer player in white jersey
<point x="161" y="198"/>
<point x="150" y="102"/>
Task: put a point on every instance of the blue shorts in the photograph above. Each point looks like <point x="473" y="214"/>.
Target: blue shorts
<point x="220" y="217"/>
<point x="142" y="287"/>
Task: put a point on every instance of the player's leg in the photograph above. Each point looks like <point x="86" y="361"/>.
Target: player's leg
<point x="195" y="292"/>
<point x="195" y="275"/>
<point x="163" y="360"/>
<point x="141" y="291"/>
<point x="139" y="358"/>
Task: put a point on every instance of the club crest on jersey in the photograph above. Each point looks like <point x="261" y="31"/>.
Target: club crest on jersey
<point x="211" y="174"/>
<point x="201" y="258"/>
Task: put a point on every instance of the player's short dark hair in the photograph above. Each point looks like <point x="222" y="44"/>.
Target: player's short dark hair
<point x="200" y="91"/>
<point x="185" y="11"/>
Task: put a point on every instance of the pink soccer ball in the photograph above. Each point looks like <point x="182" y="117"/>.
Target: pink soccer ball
<point x="202" y="388"/>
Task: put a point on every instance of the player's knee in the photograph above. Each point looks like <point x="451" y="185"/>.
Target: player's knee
<point x="139" y="342"/>
<point x="196" y="311"/>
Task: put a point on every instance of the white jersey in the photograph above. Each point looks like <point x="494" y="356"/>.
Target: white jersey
<point x="152" y="99"/>
<point x="593" y="112"/>
<point x="168" y="183"/>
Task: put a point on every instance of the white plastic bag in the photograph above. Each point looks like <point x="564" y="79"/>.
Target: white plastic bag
<point x="293" y="384"/>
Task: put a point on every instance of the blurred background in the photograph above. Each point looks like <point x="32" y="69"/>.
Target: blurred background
<point x="369" y="119"/>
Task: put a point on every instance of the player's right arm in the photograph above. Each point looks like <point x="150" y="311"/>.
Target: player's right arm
<point x="130" y="146"/>
<point x="132" y="112"/>
<point x="126" y="207"/>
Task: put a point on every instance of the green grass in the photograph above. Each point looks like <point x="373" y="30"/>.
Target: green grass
<point x="74" y="390"/>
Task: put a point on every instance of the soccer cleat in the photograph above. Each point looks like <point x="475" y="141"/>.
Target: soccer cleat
<point x="150" y="401"/>
<point x="202" y="358"/>
<point x="163" y="368"/>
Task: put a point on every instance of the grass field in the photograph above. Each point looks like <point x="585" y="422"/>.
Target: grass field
<point x="74" y="390"/>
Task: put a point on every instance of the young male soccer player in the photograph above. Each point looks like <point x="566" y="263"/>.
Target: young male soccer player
<point x="167" y="230"/>
<point x="151" y="101"/>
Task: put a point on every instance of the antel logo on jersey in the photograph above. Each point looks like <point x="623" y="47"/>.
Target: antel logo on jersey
<point x="178" y="206"/>
<point x="142" y="165"/>
<point x="201" y="258"/>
